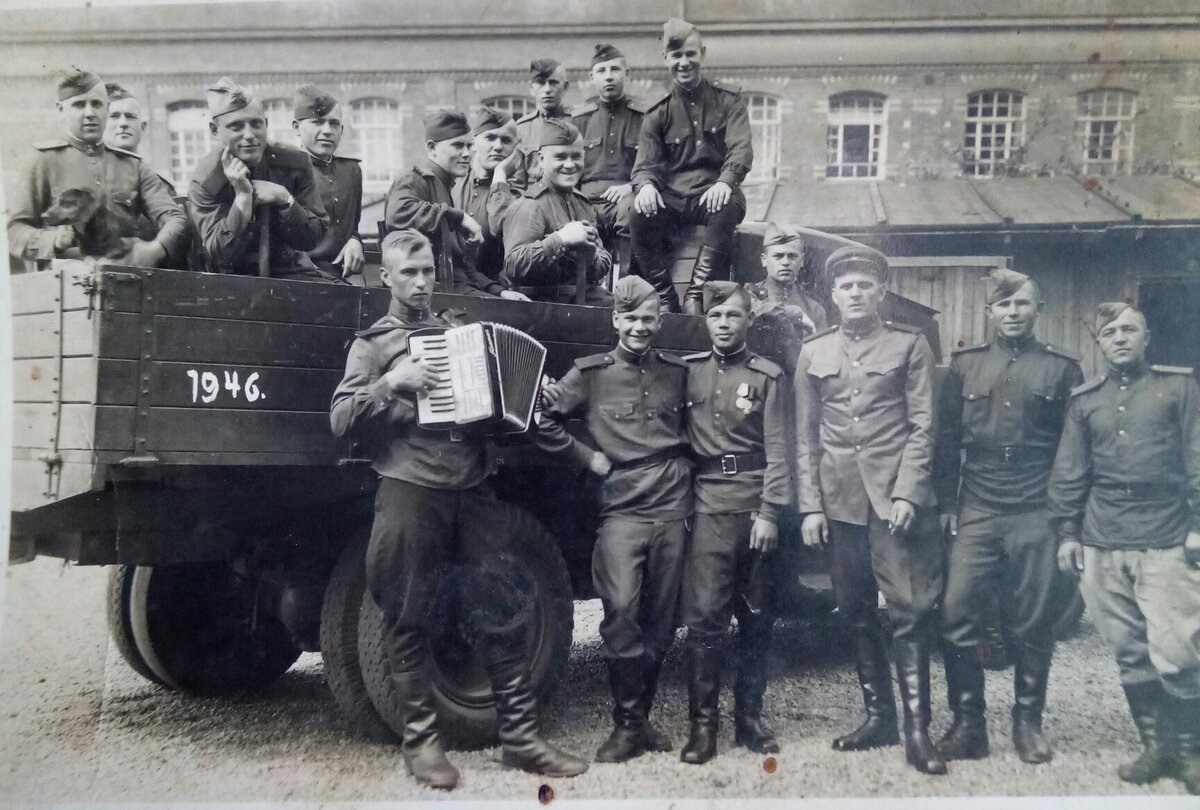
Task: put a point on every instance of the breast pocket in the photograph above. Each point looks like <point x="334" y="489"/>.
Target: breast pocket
<point x="1048" y="408"/>
<point x="714" y="138"/>
<point x="975" y="405"/>
<point x="886" y="374"/>
<point x="624" y="412"/>
<point x="676" y="139"/>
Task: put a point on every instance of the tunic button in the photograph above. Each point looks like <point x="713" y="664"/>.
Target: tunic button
<point x="1007" y="404"/>
<point x="1121" y="408"/>
<point x="645" y="393"/>
<point x="1120" y="432"/>
<point x="857" y="447"/>
<point x="856" y="391"/>
<point x="1123" y="387"/>
<point x="720" y="371"/>
<point x="1008" y="379"/>
<point x="856" y="419"/>
<point x="856" y="364"/>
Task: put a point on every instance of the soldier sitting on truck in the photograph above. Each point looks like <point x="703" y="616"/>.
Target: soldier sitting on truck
<point x="434" y="505"/>
<point x="244" y="179"/>
<point x="780" y="305"/>
<point x="118" y="179"/>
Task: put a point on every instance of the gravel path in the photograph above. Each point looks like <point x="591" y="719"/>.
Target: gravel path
<point x="77" y="725"/>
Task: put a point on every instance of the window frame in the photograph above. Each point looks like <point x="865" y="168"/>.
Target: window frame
<point x="1008" y="128"/>
<point x="376" y="182"/>
<point x="185" y="153"/>
<point x="872" y="114"/>
<point x="506" y="102"/>
<point x="1109" y="131"/>
<point x="274" y="130"/>
<point x="766" y="136"/>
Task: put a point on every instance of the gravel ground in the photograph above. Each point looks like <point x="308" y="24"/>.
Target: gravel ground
<point x="77" y="725"/>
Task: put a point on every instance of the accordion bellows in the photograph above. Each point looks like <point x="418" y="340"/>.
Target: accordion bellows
<point x="488" y="373"/>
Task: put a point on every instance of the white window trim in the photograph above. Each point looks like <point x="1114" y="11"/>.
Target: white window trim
<point x="279" y="122"/>
<point x="1123" y="137"/>
<point x="767" y="160"/>
<point x="194" y="117"/>
<point x="1014" y="131"/>
<point x="354" y="129"/>
<point x="840" y="118"/>
<point x="506" y="102"/>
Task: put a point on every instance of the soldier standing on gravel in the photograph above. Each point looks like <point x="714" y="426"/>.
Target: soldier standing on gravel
<point x="633" y="401"/>
<point x="1002" y="405"/>
<point x="1125" y="502"/>
<point x="434" y="505"/>
<point x="864" y="453"/>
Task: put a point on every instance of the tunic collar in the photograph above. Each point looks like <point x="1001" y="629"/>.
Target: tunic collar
<point x="409" y="316"/>
<point x="777" y="291"/>
<point x="630" y="356"/>
<point x="1128" y="375"/>
<point x="690" y="92"/>
<point x="86" y="148"/>
<point x="1025" y="344"/>
<point x="867" y="328"/>
<point x="318" y="160"/>
<point x="732" y="358"/>
<point x="437" y="171"/>
<point x="612" y="106"/>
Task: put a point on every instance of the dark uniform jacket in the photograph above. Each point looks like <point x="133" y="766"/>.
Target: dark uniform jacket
<point x="364" y="409"/>
<point x="421" y="200"/>
<point x="610" y="140"/>
<point x="339" y="182"/>
<point x="633" y="406"/>
<point x="529" y="131"/>
<point x="691" y="140"/>
<point x="487" y="203"/>
<point x="121" y="179"/>
<point x="1003" y="405"/>
<point x="1127" y="473"/>
<point x="779" y="328"/>
<point x="737" y="406"/>
<point x="864" y="421"/>
<point x="230" y="239"/>
<point x="534" y="254"/>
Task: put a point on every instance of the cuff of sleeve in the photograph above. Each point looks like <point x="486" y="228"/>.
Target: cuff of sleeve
<point x="580" y="453"/>
<point x="730" y="178"/>
<point x="43" y="246"/>
<point x="382" y="394"/>
<point x="553" y="244"/>
<point x="495" y="288"/>
<point x="455" y="216"/>
<point x="769" y="512"/>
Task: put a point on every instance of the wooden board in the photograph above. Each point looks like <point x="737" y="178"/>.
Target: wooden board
<point x="280" y="389"/>
<point x="252" y="343"/>
<point x="38" y="292"/>
<point x="82" y="427"/>
<point x="37" y="335"/>
<point x="240" y="431"/>
<point x="30" y="482"/>
<point x="84" y="380"/>
<point x="249" y="298"/>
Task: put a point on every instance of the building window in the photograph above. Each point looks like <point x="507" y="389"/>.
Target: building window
<point x="516" y="106"/>
<point x="1105" y="126"/>
<point x="857" y="135"/>
<point x="279" y="123"/>
<point x="375" y="134"/>
<point x="994" y="132"/>
<point x="187" y="124"/>
<point x="765" y="119"/>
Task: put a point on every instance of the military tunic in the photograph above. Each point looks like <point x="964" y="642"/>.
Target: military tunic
<point x="1126" y="484"/>
<point x="230" y="238"/>
<point x="782" y="319"/>
<point x="1002" y="404"/>
<point x="487" y="202"/>
<point x="339" y="182"/>
<point x="121" y="179"/>
<point x="536" y="258"/>
<point x="633" y="406"/>
<point x="527" y="172"/>
<point x="610" y="139"/>
<point x="864" y="437"/>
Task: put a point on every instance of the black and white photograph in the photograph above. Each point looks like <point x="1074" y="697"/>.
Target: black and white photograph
<point x="677" y="403"/>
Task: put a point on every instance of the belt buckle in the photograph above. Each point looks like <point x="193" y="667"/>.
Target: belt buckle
<point x="1008" y="454"/>
<point x="456" y="435"/>
<point x="729" y="465"/>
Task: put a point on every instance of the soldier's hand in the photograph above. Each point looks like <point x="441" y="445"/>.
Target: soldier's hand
<point x="716" y="197"/>
<point x="65" y="239"/>
<point x="145" y="254"/>
<point x="236" y="172"/>
<point x="513" y="295"/>
<point x="902" y="517"/>
<point x="551" y="394"/>
<point x="351" y="258"/>
<point x="949" y="524"/>
<point x="268" y="193"/>
<point x="471" y="228"/>
<point x="1191" y="549"/>
<point x="815" y="529"/>
<point x="411" y="374"/>
<point x="507" y="167"/>
<point x="764" y="535"/>
<point x="648" y="201"/>
<point x="599" y="464"/>
<point x="614" y="194"/>
<point x="575" y="233"/>
<point x="1070" y="558"/>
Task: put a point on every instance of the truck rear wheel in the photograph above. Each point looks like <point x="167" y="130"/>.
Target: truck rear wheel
<point x="198" y="629"/>
<point x="461" y="690"/>
<point x="120" y="627"/>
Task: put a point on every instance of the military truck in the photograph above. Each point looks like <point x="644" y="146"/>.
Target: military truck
<point x="175" y="427"/>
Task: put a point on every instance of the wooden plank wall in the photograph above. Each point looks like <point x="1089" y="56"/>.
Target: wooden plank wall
<point x="953" y="286"/>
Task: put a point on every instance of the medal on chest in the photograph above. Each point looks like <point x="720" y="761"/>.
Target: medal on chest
<point x="746" y="395"/>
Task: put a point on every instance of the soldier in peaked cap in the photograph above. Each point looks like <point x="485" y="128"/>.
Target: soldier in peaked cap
<point x="422" y="200"/>
<point x="1125" y="503"/>
<point x="548" y="85"/>
<point x="632" y="400"/>
<point x="317" y="120"/>
<point x="610" y="123"/>
<point x="553" y="226"/>
<point x="116" y="179"/>
<point x="783" y="312"/>
<point x="864" y="452"/>
<point x="1001" y="413"/>
<point x="693" y="154"/>
<point x="737" y="426"/>
<point x="245" y="178"/>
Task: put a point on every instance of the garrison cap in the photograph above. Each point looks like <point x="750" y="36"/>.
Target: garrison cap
<point x="1003" y="284"/>
<point x="720" y="292"/>
<point x="117" y="92"/>
<point x="227" y="96"/>
<point x="442" y="125"/>
<point x="557" y="132"/>
<point x="856" y="257"/>
<point x="311" y="101"/>
<point x="675" y="32"/>
<point x="489" y="118"/>
<point x="780" y="235"/>
<point x="605" y="53"/>
<point x="76" y="83"/>
<point x="631" y="292"/>
<point x="1108" y="312"/>
<point x="541" y="69"/>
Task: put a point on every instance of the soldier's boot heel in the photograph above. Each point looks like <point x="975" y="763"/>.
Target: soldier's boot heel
<point x="704" y="689"/>
<point x="1146" y="707"/>
<point x="710" y="264"/>
<point x="428" y="765"/>
<point x="627" y="738"/>
<point x="1030" y="677"/>
<point x="421" y="747"/>
<point x="749" y="731"/>
<point x="967" y="737"/>
<point x="879" y="729"/>
<point x="754" y="646"/>
<point x="1186" y="718"/>
<point x="912" y="670"/>
<point x="655" y="738"/>
<point x="521" y="745"/>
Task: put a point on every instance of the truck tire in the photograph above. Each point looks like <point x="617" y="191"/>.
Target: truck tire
<point x="340" y="615"/>
<point x="120" y="628"/>
<point x="197" y="628"/>
<point x="461" y="690"/>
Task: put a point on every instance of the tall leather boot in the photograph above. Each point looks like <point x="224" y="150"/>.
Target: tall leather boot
<point x="704" y="691"/>
<point x="1030" y="676"/>
<point x="521" y="745"/>
<point x="912" y="670"/>
<point x="624" y="256"/>
<point x="1146" y="706"/>
<point x="967" y="737"/>
<point x="754" y="645"/>
<point x="659" y="277"/>
<point x="710" y="263"/>
<point x="656" y="739"/>
<point x="626" y="740"/>
<point x="879" y="729"/>
<point x="420" y="745"/>
<point x="1186" y="718"/>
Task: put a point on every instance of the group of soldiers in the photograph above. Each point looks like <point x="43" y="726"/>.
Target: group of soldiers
<point x="1017" y="473"/>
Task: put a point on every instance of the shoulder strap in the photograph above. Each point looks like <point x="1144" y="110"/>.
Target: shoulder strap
<point x="594" y="361"/>
<point x="1090" y="385"/>
<point x="765" y="366"/>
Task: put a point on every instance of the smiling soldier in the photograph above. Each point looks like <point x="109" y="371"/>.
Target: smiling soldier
<point x="548" y="86"/>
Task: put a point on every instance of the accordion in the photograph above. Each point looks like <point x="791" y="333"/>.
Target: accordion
<point x="488" y="373"/>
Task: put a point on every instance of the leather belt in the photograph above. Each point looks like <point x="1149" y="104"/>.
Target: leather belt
<point x="646" y="461"/>
<point x="1139" y="489"/>
<point x="731" y="464"/>
<point x="1012" y="454"/>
